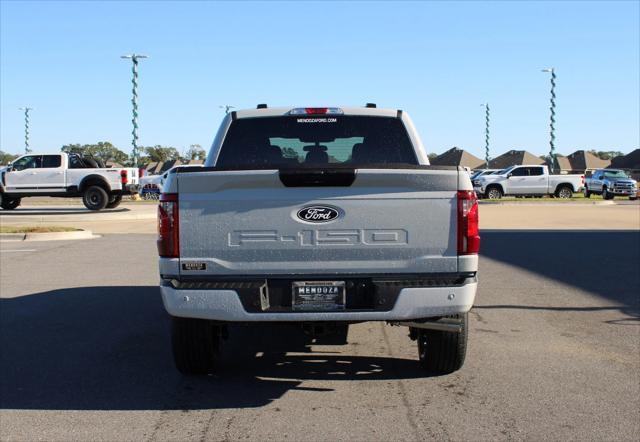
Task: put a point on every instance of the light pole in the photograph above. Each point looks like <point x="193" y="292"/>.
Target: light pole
<point x="226" y="108"/>
<point x="134" y="102"/>
<point x="26" y="128"/>
<point x="486" y="133"/>
<point x="552" y="151"/>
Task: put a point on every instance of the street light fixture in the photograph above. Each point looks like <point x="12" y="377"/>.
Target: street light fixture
<point x="552" y="151"/>
<point x="134" y="102"/>
<point x="486" y="133"/>
<point x="26" y="127"/>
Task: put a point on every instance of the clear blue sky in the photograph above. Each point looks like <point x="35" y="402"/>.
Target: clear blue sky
<point x="437" y="61"/>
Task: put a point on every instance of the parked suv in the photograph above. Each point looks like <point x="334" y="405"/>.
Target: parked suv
<point x="610" y="183"/>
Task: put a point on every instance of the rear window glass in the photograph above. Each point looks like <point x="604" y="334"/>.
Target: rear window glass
<point x="273" y="142"/>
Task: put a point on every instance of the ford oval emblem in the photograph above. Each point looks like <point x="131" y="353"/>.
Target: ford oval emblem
<point x="318" y="214"/>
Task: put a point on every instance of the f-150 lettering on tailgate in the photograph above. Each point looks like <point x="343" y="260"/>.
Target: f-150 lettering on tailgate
<point x="334" y="237"/>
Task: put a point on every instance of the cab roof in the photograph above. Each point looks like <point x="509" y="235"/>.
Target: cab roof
<point x="346" y="110"/>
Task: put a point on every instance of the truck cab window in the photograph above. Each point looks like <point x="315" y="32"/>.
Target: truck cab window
<point x="535" y="171"/>
<point x="51" y="161"/>
<point x="28" y="162"/>
<point x="520" y="171"/>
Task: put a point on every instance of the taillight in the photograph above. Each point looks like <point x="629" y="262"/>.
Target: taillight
<point x="124" y="177"/>
<point x="316" y="111"/>
<point x="468" y="231"/>
<point x="582" y="177"/>
<point x="168" y="226"/>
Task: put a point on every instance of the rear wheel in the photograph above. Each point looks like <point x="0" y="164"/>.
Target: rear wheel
<point x="195" y="344"/>
<point x="114" y="201"/>
<point x="494" y="193"/>
<point x="443" y="352"/>
<point x="564" y="192"/>
<point x="95" y="198"/>
<point x="8" y="203"/>
<point x="587" y="194"/>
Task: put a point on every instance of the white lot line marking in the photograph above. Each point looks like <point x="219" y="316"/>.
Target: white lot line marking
<point x="18" y="250"/>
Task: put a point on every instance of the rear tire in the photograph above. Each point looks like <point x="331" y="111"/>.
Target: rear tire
<point x="8" y="203"/>
<point x="493" y="193"/>
<point x="114" y="201"/>
<point x="564" y="192"/>
<point x="443" y="352"/>
<point x="195" y="344"/>
<point x="587" y="194"/>
<point x="95" y="198"/>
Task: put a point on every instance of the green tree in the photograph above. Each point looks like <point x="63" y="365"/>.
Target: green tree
<point x="195" y="152"/>
<point x="102" y="150"/>
<point x="161" y="153"/>
<point x="432" y="156"/>
<point x="6" y="158"/>
<point x="606" y="154"/>
<point x="289" y="152"/>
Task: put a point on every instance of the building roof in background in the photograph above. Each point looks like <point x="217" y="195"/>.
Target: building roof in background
<point x="195" y="162"/>
<point x="628" y="161"/>
<point x="583" y="160"/>
<point x="168" y="165"/>
<point x="563" y="163"/>
<point x="156" y="170"/>
<point x="514" y="158"/>
<point x="457" y="157"/>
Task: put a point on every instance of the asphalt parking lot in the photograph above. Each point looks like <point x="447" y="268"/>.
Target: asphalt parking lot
<point x="554" y="354"/>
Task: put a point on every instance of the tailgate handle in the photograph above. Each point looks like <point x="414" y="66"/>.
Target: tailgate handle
<point x="317" y="177"/>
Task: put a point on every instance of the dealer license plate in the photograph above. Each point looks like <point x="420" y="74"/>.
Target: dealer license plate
<point x="318" y="295"/>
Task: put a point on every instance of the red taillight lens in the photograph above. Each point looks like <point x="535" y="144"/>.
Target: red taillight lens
<point x="316" y="110"/>
<point x="582" y="177"/>
<point x="124" y="177"/>
<point x="168" y="226"/>
<point x="468" y="231"/>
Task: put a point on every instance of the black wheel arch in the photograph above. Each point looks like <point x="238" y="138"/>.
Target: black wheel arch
<point x="94" y="180"/>
<point x="561" y="185"/>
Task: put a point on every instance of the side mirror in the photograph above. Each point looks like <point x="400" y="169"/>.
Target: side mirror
<point x="9" y="167"/>
<point x="509" y="175"/>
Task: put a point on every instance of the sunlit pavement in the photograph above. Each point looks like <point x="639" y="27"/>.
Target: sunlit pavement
<point x="554" y="354"/>
<point x="140" y="217"/>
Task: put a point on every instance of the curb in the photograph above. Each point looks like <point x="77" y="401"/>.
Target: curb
<point x="49" y="236"/>
<point x="12" y="236"/>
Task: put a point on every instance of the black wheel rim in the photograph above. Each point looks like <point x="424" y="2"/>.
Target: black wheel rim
<point x="94" y="198"/>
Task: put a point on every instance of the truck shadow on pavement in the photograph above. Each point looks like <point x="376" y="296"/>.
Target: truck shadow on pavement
<point x="108" y="348"/>
<point x="604" y="263"/>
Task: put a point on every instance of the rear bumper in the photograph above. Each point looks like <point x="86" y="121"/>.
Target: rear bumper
<point x="411" y="303"/>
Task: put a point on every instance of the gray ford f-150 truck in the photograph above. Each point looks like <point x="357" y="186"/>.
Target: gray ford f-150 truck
<point x="323" y="217"/>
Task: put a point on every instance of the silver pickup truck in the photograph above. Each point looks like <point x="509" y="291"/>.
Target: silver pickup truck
<point x="611" y="183"/>
<point x="323" y="217"/>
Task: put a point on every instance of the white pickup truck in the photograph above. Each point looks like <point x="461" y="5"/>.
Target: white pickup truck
<point x="65" y="175"/>
<point x="527" y="180"/>
<point x="322" y="217"/>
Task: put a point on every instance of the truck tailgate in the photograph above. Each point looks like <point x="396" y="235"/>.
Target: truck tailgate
<point x="247" y="223"/>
